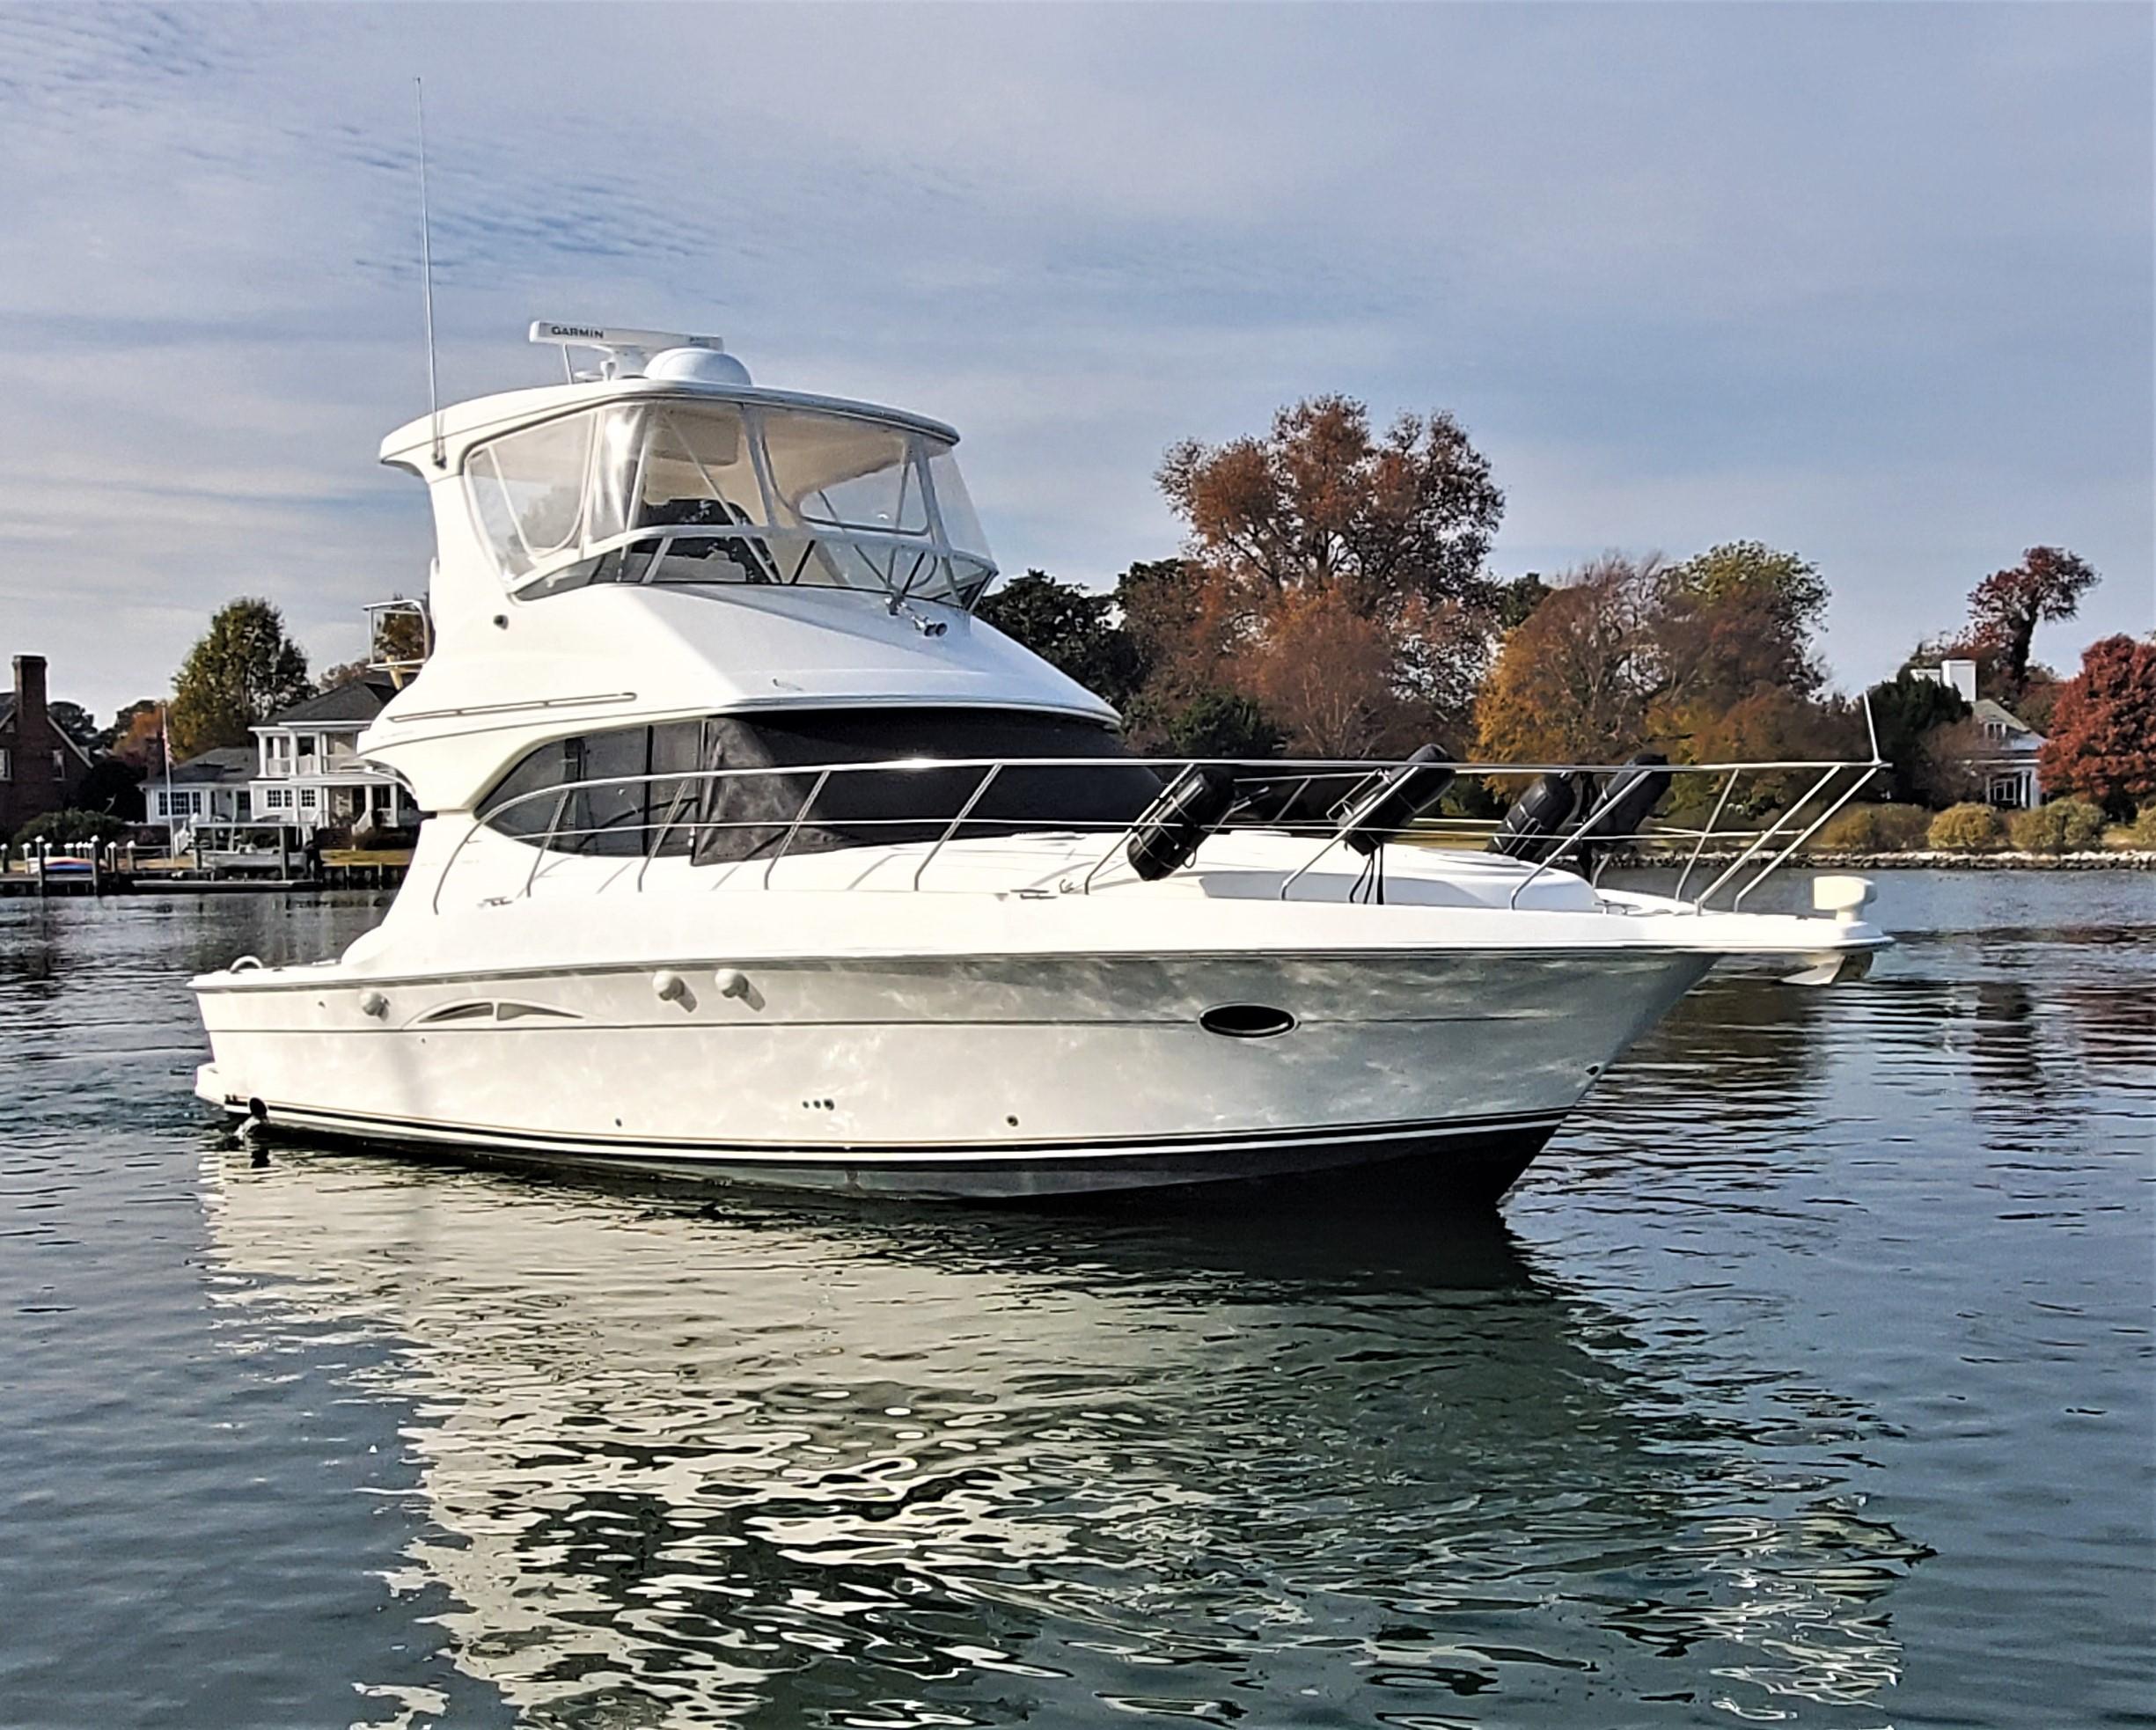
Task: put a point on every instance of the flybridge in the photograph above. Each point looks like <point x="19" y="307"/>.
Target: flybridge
<point x="629" y="351"/>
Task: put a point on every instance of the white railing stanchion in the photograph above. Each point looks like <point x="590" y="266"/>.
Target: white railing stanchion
<point x="665" y="829"/>
<point x="539" y="852"/>
<point x="964" y="811"/>
<point x="794" y="828"/>
<point x="1768" y="833"/>
<point x="1818" y="823"/>
<point x="1699" y="845"/>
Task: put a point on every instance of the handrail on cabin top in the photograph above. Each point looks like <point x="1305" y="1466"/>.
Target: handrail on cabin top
<point x="1311" y="770"/>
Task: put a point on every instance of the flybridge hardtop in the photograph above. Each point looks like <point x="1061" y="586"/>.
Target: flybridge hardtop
<point x="657" y="539"/>
<point x="753" y="854"/>
<point x="658" y="463"/>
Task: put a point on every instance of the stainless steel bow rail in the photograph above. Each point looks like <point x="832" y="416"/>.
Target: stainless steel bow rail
<point x="1835" y="784"/>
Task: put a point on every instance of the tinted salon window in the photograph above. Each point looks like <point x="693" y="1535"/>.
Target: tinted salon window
<point x="727" y="816"/>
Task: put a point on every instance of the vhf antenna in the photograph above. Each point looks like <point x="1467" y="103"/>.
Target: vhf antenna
<point x="426" y="275"/>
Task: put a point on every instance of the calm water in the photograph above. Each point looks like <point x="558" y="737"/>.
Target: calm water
<point x="1808" y="1381"/>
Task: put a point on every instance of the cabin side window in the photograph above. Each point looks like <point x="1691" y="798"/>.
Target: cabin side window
<point x="666" y="790"/>
<point x="607" y="793"/>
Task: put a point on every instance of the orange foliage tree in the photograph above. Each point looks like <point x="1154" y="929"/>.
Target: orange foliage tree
<point x="1326" y="542"/>
<point x="138" y="734"/>
<point x="2102" y="743"/>
<point x="1575" y="680"/>
<point x="1709" y="660"/>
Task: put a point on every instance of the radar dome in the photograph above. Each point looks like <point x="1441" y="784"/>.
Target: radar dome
<point x="697" y="366"/>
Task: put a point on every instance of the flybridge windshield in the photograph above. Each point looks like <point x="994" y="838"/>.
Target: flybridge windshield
<point x="667" y="491"/>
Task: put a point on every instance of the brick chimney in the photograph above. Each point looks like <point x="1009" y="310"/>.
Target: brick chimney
<point x="37" y="789"/>
<point x="30" y="694"/>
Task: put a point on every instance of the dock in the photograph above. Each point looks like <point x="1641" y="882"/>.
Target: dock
<point x="341" y="868"/>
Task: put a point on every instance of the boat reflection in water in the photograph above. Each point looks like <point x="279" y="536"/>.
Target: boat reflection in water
<point x="691" y="1462"/>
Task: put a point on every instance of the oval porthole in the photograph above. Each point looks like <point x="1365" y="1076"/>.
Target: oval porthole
<point x="1246" y="1021"/>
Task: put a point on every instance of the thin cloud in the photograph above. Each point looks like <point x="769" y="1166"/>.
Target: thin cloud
<point x="1874" y="284"/>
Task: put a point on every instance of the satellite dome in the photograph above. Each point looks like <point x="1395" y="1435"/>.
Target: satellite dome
<point x="697" y="366"/>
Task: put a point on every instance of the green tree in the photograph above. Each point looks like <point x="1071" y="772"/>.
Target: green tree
<point x="244" y="669"/>
<point x="111" y="788"/>
<point x="1219" y="724"/>
<point x="1740" y="619"/>
<point x="1519" y="598"/>
<point x="401" y="642"/>
<point x="59" y="828"/>
<point x="75" y="722"/>
<point x="1072" y="628"/>
<point x="1904" y="709"/>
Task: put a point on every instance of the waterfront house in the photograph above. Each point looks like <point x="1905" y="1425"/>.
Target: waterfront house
<point x="213" y="787"/>
<point x="310" y="775"/>
<point x="41" y="768"/>
<point x="2005" y="759"/>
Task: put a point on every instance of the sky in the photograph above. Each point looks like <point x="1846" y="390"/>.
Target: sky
<point x="1874" y="283"/>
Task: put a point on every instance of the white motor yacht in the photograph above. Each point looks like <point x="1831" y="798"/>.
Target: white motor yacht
<point x="752" y="853"/>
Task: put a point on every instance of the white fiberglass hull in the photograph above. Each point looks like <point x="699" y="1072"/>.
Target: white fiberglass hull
<point x="977" y="1075"/>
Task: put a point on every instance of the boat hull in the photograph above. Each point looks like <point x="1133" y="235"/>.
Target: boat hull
<point x="1456" y="1164"/>
<point x="978" y="1076"/>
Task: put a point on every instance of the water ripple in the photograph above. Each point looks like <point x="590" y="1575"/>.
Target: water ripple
<point x="1776" y="1399"/>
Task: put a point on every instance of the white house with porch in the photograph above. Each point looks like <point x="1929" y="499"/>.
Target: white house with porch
<point x="2005" y="760"/>
<point x="310" y="775"/>
<point x="212" y="787"/>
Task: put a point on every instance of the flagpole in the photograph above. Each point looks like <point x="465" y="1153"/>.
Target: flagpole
<point x="164" y="750"/>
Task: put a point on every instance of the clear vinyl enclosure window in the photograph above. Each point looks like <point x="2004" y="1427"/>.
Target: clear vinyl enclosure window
<point x="678" y="491"/>
<point x="846" y="474"/>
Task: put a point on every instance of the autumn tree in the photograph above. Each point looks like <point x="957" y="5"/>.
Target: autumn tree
<point x="1575" y="679"/>
<point x="1323" y="524"/>
<point x="1322" y="502"/>
<point x="2102" y="743"/>
<point x="2006" y="608"/>
<point x="1185" y="637"/>
<point x="1180" y="625"/>
<point x="1710" y="660"/>
<point x="243" y="669"/>
<point x="1945" y="769"/>
<point x="136" y="736"/>
<point x="1330" y="675"/>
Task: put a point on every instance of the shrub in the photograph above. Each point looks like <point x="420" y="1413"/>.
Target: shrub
<point x="1873" y="829"/>
<point x="1967" y="828"/>
<point x="2065" y="825"/>
<point x="62" y="827"/>
<point x="2142" y="834"/>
